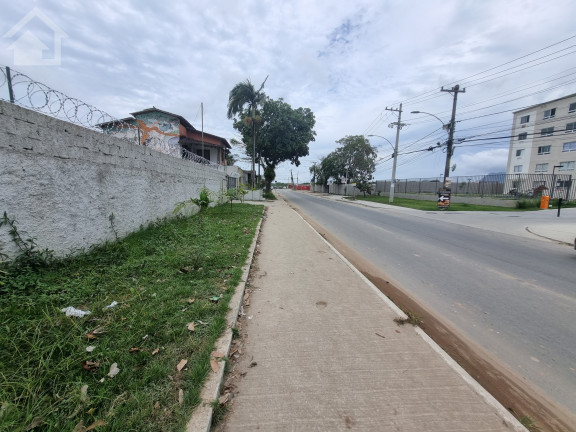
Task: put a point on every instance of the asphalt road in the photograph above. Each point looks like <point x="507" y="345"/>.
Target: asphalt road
<point x="514" y="296"/>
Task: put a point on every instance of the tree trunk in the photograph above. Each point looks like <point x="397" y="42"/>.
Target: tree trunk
<point x="269" y="176"/>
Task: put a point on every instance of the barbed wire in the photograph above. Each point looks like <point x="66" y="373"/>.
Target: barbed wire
<point x="188" y="155"/>
<point x="28" y="93"/>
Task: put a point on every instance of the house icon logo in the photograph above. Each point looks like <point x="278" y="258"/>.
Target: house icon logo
<point x="28" y="47"/>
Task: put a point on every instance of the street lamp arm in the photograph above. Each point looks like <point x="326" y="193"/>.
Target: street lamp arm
<point x="437" y="118"/>
<point x="391" y="145"/>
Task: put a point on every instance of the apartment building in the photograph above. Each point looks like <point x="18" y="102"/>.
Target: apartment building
<point x="544" y="140"/>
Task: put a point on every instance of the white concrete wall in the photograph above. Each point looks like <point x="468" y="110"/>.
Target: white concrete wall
<point x="61" y="182"/>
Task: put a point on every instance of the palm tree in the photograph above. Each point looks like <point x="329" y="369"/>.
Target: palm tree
<point x="241" y="95"/>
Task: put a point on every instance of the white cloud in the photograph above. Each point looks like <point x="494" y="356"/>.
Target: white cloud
<point x="347" y="61"/>
<point x="482" y="162"/>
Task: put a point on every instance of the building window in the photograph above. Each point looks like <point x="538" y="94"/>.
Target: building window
<point x="519" y="152"/>
<point x="541" y="167"/>
<point x="570" y="127"/>
<point x="568" y="147"/>
<point x="547" y="131"/>
<point x="551" y="113"/>
<point x="517" y="168"/>
<point x="572" y="107"/>
<point x="566" y="166"/>
<point x="522" y="136"/>
<point x="524" y="119"/>
<point x="543" y="150"/>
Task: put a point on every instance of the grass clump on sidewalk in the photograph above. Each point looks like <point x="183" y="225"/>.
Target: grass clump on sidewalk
<point x="172" y="283"/>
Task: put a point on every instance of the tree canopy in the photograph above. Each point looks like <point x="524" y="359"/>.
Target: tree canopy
<point x="283" y="135"/>
<point x="353" y="162"/>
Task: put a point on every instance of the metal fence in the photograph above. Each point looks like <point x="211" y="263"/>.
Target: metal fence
<point x="511" y="186"/>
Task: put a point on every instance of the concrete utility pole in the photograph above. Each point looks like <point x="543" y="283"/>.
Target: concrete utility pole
<point x="450" y="145"/>
<point x="398" y="125"/>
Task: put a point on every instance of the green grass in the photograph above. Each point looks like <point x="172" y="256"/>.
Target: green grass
<point x="153" y="274"/>
<point x="433" y="205"/>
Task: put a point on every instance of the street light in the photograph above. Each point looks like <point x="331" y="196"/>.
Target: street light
<point x="444" y="126"/>
<point x="395" y="156"/>
<point x="450" y="128"/>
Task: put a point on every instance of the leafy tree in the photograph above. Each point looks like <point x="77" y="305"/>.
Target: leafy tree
<point x="284" y="134"/>
<point x="327" y="169"/>
<point x="354" y="160"/>
<point x="244" y="100"/>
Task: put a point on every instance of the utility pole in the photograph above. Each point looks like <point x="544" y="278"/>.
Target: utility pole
<point x="450" y="145"/>
<point x="398" y="125"/>
<point x="202" y="110"/>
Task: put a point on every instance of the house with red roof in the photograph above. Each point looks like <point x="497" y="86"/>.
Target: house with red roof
<point x="172" y="134"/>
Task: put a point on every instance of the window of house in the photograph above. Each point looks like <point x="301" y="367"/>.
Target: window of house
<point x="538" y="183"/>
<point x="519" y="152"/>
<point x="522" y="136"/>
<point x="570" y="127"/>
<point x="541" y="167"/>
<point x="568" y="147"/>
<point x="517" y="168"/>
<point x="542" y="150"/>
<point x="547" y="131"/>
<point x="572" y="107"/>
<point x="551" y="113"/>
<point x="566" y="166"/>
<point x="524" y="119"/>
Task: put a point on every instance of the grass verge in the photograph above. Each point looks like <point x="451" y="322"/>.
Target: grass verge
<point x="172" y="282"/>
<point x="433" y="205"/>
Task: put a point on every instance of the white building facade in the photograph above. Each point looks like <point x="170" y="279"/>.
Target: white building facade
<point x="544" y="136"/>
<point x="544" y="140"/>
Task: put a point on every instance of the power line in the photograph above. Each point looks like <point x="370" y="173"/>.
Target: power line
<point x="432" y="93"/>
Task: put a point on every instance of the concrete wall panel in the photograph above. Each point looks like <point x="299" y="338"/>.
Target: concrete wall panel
<point x="61" y="182"/>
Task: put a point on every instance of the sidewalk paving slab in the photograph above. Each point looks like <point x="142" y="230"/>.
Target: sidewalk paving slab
<point x="323" y="352"/>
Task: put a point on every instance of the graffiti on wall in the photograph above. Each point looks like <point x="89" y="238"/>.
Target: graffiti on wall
<point x="160" y="132"/>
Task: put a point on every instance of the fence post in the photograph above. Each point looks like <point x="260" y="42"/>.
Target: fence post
<point x="9" y="82"/>
<point x="569" y="188"/>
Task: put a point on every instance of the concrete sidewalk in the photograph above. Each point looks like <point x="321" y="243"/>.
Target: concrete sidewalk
<point x="323" y="352"/>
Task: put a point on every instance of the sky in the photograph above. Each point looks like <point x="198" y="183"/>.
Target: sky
<point x="350" y="62"/>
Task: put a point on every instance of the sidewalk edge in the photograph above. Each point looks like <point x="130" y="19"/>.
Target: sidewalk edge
<point x="201" y="417"/>
<point x="506" y="416"/>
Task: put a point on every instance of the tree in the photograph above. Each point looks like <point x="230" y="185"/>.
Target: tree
<point x="242" y="95"/>
<point x="283" y="135"/>
<point x="354" y="161"/>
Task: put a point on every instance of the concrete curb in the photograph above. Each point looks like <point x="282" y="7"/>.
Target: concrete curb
<point x="201" y="418"/>
<point x="506" y="416"/>
<point x="531" y="231"/>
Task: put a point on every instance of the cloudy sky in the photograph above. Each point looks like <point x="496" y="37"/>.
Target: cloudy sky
<point x="348" y="61"/>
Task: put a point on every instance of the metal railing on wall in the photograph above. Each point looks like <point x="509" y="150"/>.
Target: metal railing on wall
<point x="510" y="186"/>
<point x="188" y="155"/>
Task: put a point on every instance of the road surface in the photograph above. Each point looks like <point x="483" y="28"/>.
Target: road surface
<point x="514" y="296"/>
